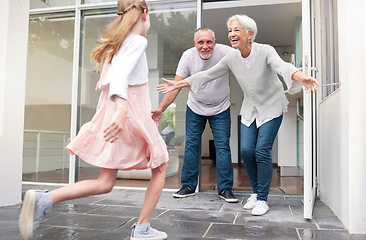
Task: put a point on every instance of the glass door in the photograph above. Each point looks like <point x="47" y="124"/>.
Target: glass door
<point x="310" y="113"/>
<point x="48" y="97"/>
<point x="173" y="24"/>
<point x="61" y="79"/>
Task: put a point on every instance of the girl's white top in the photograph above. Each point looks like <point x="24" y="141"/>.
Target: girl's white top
<point x="128" y="67"/>
<point x="264" y="96"/>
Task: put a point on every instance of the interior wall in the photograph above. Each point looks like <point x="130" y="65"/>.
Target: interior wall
<point x="55" y="79"/>
<point x="283" y="38"/>
<point x="287" y="142"/>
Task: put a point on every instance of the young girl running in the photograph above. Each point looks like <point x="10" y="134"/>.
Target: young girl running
<point x="122" y="134"/>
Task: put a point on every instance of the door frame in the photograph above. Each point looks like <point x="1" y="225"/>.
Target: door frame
<point x="310" y="110"/>
<point x="309" y="105"/>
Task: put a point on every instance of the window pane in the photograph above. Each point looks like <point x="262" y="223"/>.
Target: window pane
<point x="171" y="33"/>
<point x="97" y="1"/>
<point x="34" y="4"/>
<point x="330" y="45"/>
<point x="48" y="97"/>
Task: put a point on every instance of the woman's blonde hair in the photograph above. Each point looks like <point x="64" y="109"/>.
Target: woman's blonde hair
<point x="115" y="33"/>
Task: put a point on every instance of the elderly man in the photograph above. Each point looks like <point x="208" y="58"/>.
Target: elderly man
<point x="212" y="103"/>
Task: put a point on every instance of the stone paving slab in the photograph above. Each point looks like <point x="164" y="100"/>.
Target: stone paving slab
<point x="203" y="216"/>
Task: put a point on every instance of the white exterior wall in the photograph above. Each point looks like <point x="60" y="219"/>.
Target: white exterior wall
<point x="342" y="128"/>
<point x="13" y="53"/>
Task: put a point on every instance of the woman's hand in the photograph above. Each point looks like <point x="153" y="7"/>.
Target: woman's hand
<point x="308" y="82"/>
<point x="170" y="85"/>
<point x="117" y="124"/>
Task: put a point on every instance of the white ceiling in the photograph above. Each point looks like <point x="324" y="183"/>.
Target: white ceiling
<point x="275" y="22"/>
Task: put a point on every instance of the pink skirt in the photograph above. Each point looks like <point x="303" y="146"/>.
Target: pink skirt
<point x="139" y="146"/>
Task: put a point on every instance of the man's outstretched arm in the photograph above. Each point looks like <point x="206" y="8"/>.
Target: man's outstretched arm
<point x="168" y="98"/>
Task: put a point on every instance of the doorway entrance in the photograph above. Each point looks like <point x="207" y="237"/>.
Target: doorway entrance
<point x="279" y="25"/>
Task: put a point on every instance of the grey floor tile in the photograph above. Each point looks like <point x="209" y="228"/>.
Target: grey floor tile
<point x="174" y="229"/>
<point x="181" y="204"/>
<point x="276" y="216"/>
<point x="9" y="223"/>
<point x="197" y="216"/>
<point x="59" y="233"/>
<point x="182" y="229"/>
<point x="228" y="231"/>
<point x="285" y="201"/>
<point x="259" y="221"/>
<point x="331" y="222"/>
<point x="307" y="234"/>
<point x="321" y="210"/>
<point x="88" y="221"/>
<point x="204" y="216"/>
<point x="122" y="211"/>
<point x="73" y="208"/>
<point x="358" y="237"/>
<point x="121" y="202"/>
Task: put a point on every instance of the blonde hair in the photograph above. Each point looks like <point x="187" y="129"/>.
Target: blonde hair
<point x="115" y="33"/>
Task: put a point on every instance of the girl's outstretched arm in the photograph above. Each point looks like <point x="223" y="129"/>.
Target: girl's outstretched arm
<point x="171" y="85"/>
<point x="117" y="124"/>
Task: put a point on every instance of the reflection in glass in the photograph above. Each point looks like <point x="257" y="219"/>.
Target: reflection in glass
<point x="171" y="33"/>
<point x="48" y="97"/>
<point x="34" y="4"/>
<point x="97" y="1"/>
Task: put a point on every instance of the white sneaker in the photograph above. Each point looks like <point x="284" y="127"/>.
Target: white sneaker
<point x="260" y="208"/>
<point x="251" y="202"/>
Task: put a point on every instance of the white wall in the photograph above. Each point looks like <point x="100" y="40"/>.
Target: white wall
<point x="236" y="98"/>
<point x="13" y="54"/>
<point x="51" y="72"/>
<point x="342" y="128"/>
<point x="287" y="139"/>
<point x="333" y="160"/>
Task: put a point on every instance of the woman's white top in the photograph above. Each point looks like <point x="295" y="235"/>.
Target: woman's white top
<point x="264" y="96"/>
<point x="128" y="67"/>
<point x="248" y="62"/>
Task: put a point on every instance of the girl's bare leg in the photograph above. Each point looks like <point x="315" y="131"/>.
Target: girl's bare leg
<point x="104" y="184"/>
<point x="153" y="193"/>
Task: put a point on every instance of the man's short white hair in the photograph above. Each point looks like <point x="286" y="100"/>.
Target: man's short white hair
<point x="246" y="22"/>
<point x="204" y="29"/>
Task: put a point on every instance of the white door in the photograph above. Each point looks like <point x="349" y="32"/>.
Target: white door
<point x="310" y="149"/>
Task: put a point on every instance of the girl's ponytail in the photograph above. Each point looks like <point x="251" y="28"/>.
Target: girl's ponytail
<point x="116" y="32"/>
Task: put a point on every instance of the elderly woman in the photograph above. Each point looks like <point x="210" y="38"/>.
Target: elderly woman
<point x="255" y="67"/>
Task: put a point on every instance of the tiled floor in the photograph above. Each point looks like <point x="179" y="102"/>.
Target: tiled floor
<point x="204" y="216"/>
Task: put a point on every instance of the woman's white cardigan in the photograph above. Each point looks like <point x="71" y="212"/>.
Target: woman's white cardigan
<point x="260" y="84"/>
